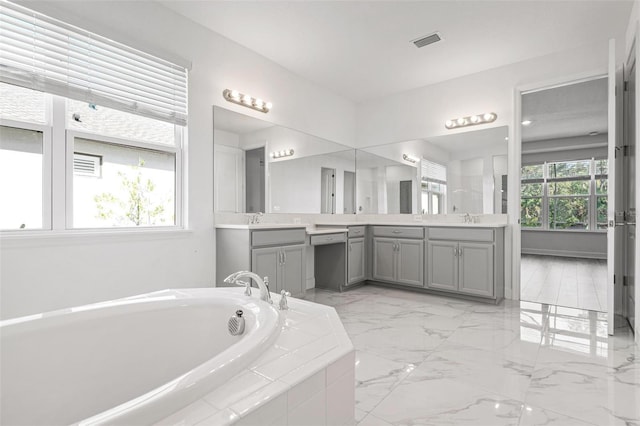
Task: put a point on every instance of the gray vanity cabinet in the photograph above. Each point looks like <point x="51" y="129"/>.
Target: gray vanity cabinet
<point x="398" y="260"/>
<point x="466" y="261"/>
<point x="356" y="254"/>
<point x="475" y="269"/>
<point x="384" y="259"/>
<point x="275" y="253"/>
<point x="443" y="265"/>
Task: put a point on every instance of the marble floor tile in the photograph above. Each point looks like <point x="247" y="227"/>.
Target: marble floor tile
<point x="432" y="360"/>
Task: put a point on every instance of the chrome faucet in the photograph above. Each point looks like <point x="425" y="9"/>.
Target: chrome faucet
<point x="467" y="218"/>
<point x="255" y="218"/>
<point x="263" y="284"/>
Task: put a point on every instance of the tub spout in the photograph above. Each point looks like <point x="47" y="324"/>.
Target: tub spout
<point x="263" y="285"/>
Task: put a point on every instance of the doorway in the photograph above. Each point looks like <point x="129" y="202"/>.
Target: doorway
<point x="254" y="180"/>
<point x="328" y="191"/>
<point x="349" y="192"/>
<point x="406" y="194"/>
<point x="564" y="195"/>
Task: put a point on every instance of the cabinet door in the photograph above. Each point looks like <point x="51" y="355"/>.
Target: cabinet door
<point x="410" y="262"/>
<point x="384" y="259"/>
<point x="266" y="263"/>
<point x="476" y="269"/>
<point x="442" y="265"/>
<point x="355" y="258"/>
<point x="292" y="278"/>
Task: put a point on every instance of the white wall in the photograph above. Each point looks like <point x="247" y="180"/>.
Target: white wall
<point x="44" y="273"/>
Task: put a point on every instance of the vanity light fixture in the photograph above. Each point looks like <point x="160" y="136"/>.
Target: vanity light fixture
<point x="246" y="100"/>
<point x="410" y="158"/>
<point x="526" y="122"/>
<point x="283" y="153"/>
<point x="472" y="120"/>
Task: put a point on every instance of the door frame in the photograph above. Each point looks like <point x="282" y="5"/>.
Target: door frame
<point x="515" y="164"/>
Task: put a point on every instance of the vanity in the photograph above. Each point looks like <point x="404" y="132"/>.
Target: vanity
<point x="464" y="260"/>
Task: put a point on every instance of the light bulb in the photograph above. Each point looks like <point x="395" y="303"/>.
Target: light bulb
<point x="449" y="123"/>
<point x="235" y="94"/>
<point x="246" y="99"/>
<point x="268" y="105"/>
<point x="273" y="154"/>
<point x="526" y="122"/>
<point x="489" y="116"/>
<point x="290" y="152"/>
<point x="475" y="119"/>
<point x="461" y="121"/>
<point x="259" y="103"/>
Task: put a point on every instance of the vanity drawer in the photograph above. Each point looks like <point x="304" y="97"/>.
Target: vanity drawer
<point x="318" y="240"/>
<point x="461" y="234"/>
<point x="356" y="231"/>
<point x="398" y="231"/>
<point x="276" y="237"/>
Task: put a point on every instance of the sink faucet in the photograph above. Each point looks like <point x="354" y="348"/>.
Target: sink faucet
<point x="255" y="218"/>
<point x="263" y="284"/>
<point x="467" y="218"/>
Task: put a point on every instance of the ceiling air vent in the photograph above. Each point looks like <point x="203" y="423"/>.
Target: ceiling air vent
<point x="87" y="165"/>
<point x="427" y="40"/>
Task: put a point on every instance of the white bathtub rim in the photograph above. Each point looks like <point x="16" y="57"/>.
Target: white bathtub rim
<point x="148" y="407"/>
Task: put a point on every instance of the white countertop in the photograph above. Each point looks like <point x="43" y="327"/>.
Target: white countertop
<point x="319" y="231"/>
<point x="312" y="230"/>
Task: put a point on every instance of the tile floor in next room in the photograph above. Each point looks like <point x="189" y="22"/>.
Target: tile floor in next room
<point x="564" y="281"/>
<point x="430" y="360"/>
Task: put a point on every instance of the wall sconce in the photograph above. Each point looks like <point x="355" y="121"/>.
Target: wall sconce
<point x="471" y="120"/>
<point x="283" y="153"/>
<point x="410" y="158"/>
<point x="246" y="100"/>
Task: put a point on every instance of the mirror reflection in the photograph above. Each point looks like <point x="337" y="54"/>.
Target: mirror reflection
<point x="459" y="173"/>
<point x="261" y="167"/>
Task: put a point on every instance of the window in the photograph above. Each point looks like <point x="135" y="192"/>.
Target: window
<point x="87" y="124"/>
<point x="434" y="187"/>
<point x="564" y="195"/>
<point x="21" y="178"/>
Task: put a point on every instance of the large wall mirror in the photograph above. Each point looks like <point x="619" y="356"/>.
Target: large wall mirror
<point x="459" y="173"/>
<point x="262" y="167"/>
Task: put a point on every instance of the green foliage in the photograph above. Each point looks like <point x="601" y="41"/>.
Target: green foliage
<point x="138" y="207"/>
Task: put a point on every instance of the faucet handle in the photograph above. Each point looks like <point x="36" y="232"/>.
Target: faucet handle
<point x="283" y="300"/>
<point x="246" y="284"/>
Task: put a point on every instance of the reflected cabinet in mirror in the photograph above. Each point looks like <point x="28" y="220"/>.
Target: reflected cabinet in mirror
<point x="459" y="173"/>
<point x="262" y="167"/>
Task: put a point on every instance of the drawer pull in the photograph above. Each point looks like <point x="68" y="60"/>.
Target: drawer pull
<point x="396" y="231"/>
<point x="356" y="231"/>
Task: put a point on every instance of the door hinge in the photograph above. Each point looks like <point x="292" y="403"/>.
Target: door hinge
<point x="625" y="281"/>
<point x="614" y="279"/>
<point x="625" y="86"/>
<point x="625" y="150"/>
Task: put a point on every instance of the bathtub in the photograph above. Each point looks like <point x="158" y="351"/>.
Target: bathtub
<point x="129" y="361"/>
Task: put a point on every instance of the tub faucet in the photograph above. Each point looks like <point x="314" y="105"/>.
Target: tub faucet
<point x="263" y="284"/>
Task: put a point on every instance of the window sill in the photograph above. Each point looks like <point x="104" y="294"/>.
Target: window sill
<point x="83" y="236"/>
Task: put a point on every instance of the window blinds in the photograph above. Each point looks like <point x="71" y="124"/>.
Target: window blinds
<point x="433" y="172"/>
<point x="45" y="54"/>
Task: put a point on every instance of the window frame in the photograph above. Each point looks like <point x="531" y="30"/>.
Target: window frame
<point x="592" y="196"/>
<point x="176" y="150"/>
<point x="47" y="178"/>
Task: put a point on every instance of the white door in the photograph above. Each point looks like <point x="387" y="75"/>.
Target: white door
<point x="614" y="274"/>
<point x="228" y="179"/>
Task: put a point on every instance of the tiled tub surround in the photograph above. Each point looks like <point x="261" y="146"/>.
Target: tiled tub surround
<point x="422" y="359"/>
<point x="289" y="365"/>
<point x="305" y="378"/>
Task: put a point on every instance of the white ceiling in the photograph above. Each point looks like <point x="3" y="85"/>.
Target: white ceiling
<point x="566" y="111"/>
<point x="362" y="49"/>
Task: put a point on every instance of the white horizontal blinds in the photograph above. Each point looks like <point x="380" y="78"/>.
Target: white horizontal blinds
<point x="433" y="172"/>
<point x="48" y="55"/>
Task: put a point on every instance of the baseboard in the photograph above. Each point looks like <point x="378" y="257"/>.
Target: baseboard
<point x="565" y="253"/>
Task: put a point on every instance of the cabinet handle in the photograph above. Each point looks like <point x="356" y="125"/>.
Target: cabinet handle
<point x="356" y="231"/>
<point x="284" y="257"/>
<point x="460" y="251"/>
<point x="455" y="251"/>
<point x="280" y="257"/>
<point x="350" y="247"/>
<point x="396" y="231"/>
<point x="329" y="238"/>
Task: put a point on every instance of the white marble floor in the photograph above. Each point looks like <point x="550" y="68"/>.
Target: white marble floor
<point x="564" y="281"/>
<point x="429" y="360"/>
